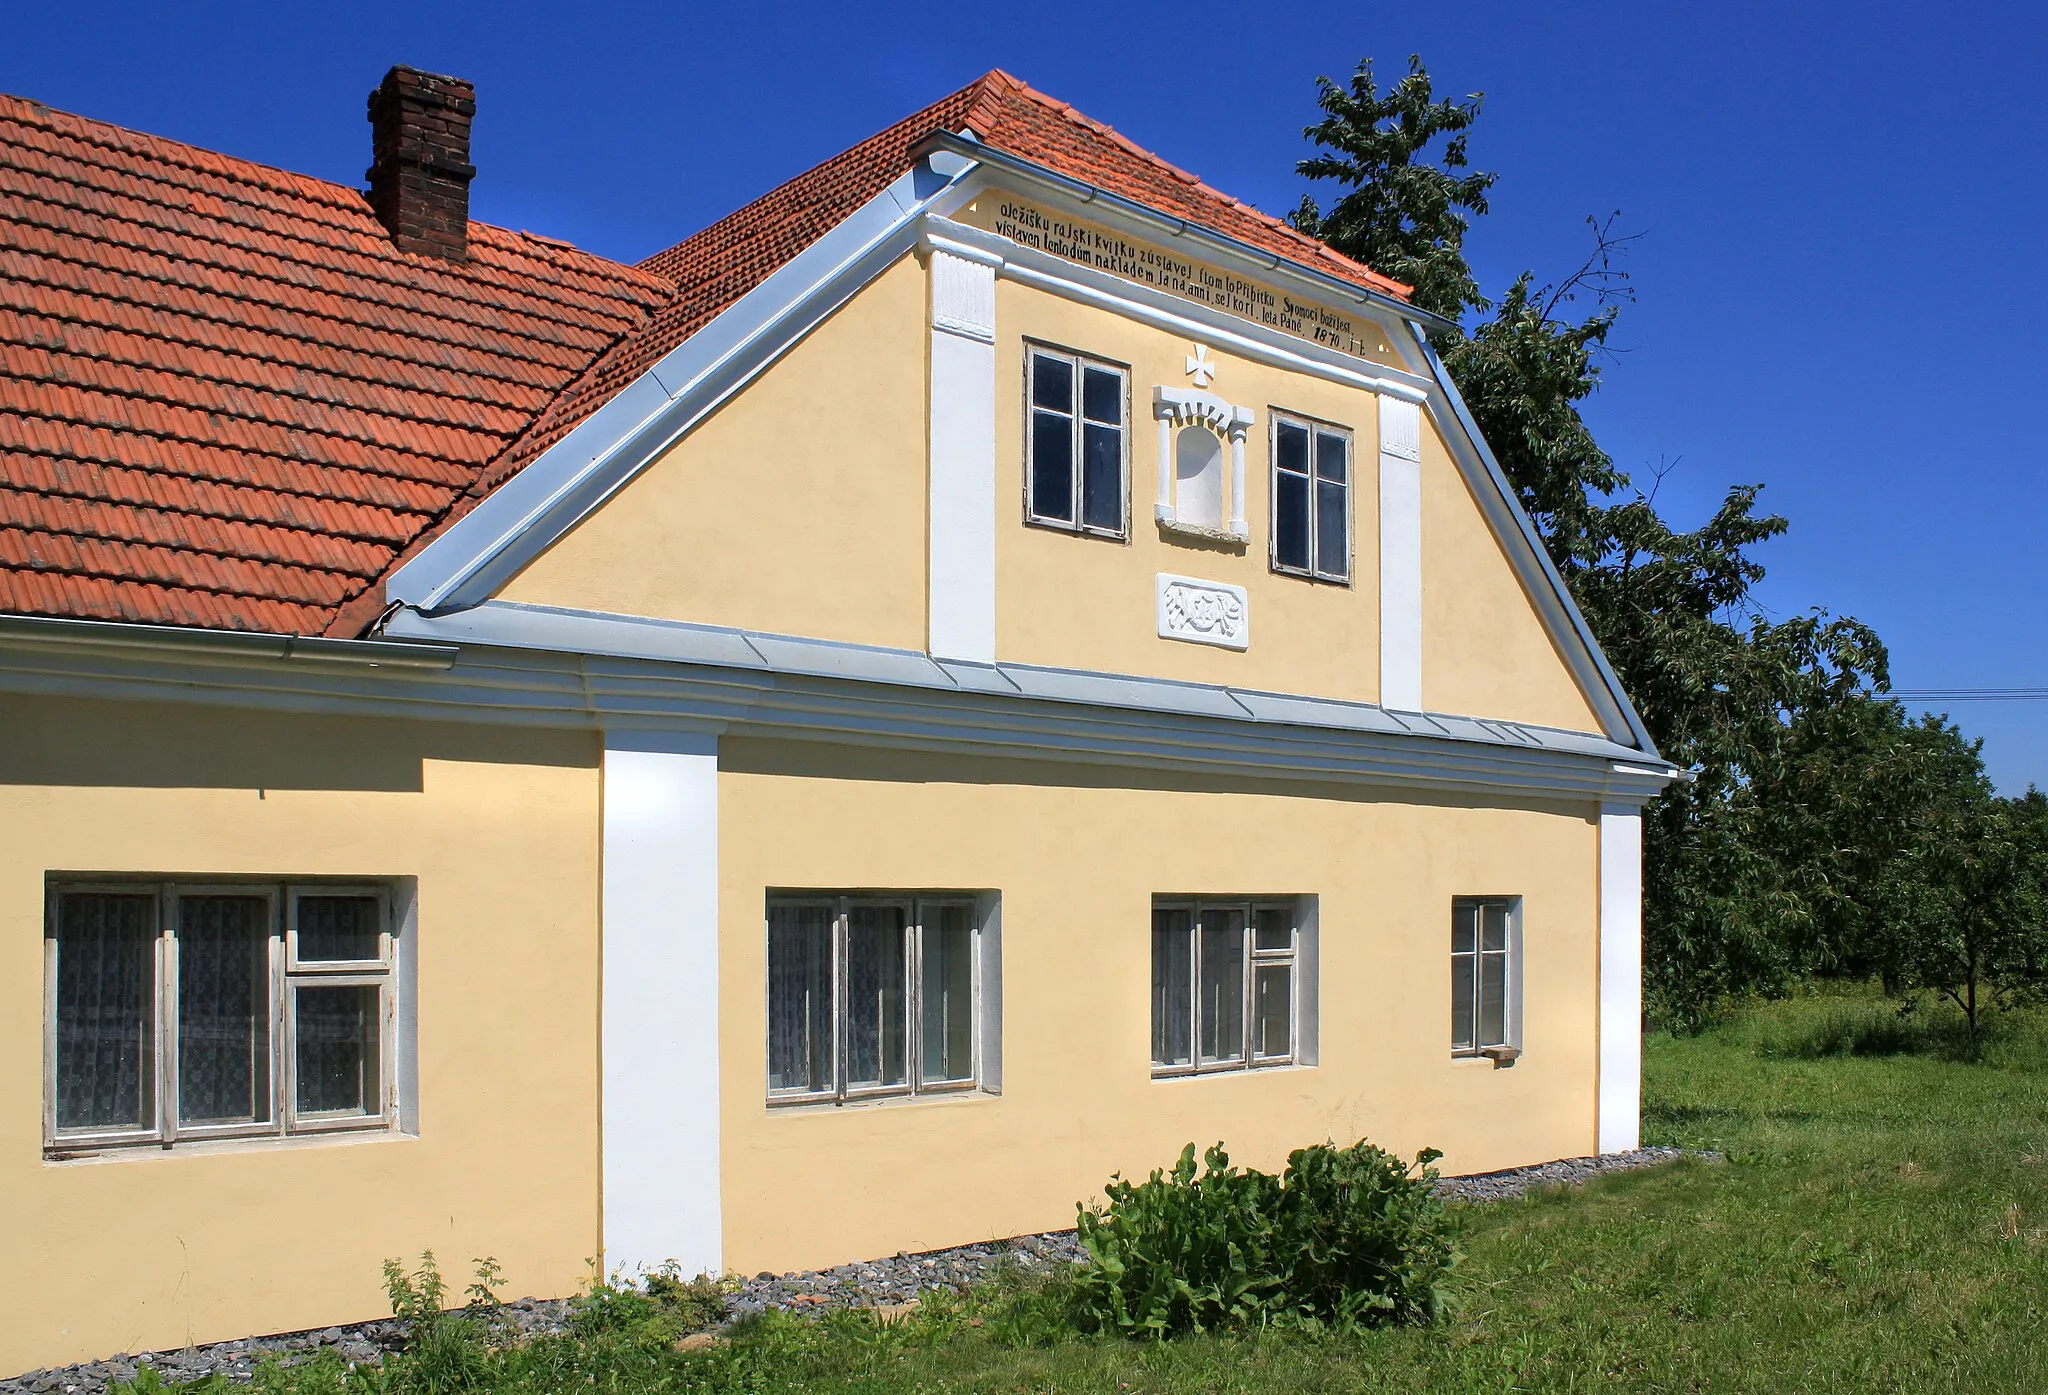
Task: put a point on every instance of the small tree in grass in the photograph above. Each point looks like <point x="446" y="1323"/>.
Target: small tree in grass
<point x="1970" y="898"/>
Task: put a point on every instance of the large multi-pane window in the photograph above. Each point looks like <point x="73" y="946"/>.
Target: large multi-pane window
<point x="1483" y="975"/>
<point x="1311" y="499"/>
<point x="181" y="1011"/>
<point x="872" y="995"/>
<point x="1075" y="442"/>
<point x="1225" y="984"/>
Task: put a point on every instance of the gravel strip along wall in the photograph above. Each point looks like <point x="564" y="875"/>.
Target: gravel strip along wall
<point x="864" y="1285"/>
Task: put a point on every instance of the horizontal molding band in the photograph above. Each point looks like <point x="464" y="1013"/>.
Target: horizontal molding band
<point x="1056" y="276"/>
<point x="509" y="686"/>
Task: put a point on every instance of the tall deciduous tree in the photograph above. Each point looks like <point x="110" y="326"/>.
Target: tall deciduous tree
<point x="1766" y="866"/>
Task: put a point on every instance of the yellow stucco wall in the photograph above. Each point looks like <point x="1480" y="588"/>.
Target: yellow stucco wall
<point x="797" y="508"/>
<point x="1485" y="651"/>
<point x="1078" y="861"/>
<point x="152" y="1250"/>
<point x="1087" y="602"/>
<point x="800" y="507"/>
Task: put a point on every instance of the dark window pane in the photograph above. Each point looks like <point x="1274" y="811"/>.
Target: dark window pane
<point x="1330" y="453"/>
<point x="1493" y="999"/>
<point x="339" y="928"/>
<point x="1272" y="1010"/>
<point x="1102" y="396"/>
<point x="876" y="996"/>
<point x="947" y="982"/>
<point x="223" y="1009"/>
<point x="1220" y="1000"/>
<point x="800" y="998"/>
<point x="338" y="1049"/>
<point x="1102" y="477"/>
<point x="1290" y="521"/>
<point x="1493" y="925"/>
<point x="1272" y="927"/>
<point x="1052" y="383"/>
<point x="1290" y="448"/>
<point x="1461" y="1002"/>
<point x="1052" y="467"/>
<point x="1333" y="550"/>
<point x="1464" y="927"/>
<point x="106" y="1018"/>
<point x="1173" y="971"/>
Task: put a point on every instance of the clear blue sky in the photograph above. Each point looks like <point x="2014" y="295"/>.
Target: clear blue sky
<point x="1840" y="291"/>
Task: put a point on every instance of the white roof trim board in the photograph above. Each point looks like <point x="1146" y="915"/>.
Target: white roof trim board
<point x="460" y="571"/>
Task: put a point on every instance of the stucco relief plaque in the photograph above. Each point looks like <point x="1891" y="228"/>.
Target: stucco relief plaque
<point x="1204" y="612"/>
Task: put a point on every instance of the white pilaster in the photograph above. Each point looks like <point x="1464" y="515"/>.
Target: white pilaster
<point x="1238" y="527"/>
<point x="659" y="1012"/>
<point x="1400" y="555"/>
<point x="962" y="580"/>
<point x="1621" y="978"/>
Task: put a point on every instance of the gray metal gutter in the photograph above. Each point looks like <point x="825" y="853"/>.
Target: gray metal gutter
<point x="234" y="646"/>
<point x="1175" y="227"/>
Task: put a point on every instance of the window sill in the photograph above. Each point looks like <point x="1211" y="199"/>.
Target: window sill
<point x="1173" y="529"/>
<point x="87" y="1154"/>
<point x="1072" y="530"/>
<point x="1313" y="578"/>
<point x="966" y="1095"/>
<point x="1494" y="1057"/>
<point x="1164" y="1077"/>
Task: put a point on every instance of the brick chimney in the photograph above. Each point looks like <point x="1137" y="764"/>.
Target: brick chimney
<point x="420" y="170"/>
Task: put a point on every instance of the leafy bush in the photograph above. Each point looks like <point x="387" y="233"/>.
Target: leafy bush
<point x="663" y="1307"/>
<point x="1345" y="1238"/>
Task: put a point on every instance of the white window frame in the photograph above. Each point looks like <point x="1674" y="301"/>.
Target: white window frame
<point x="1298" y="957"/>
<point x="915" y="905"/>
<point x="283" y="975"/>
<point x="1509" y="1047"/>
<point x="1080" y="363"/>
<point x="1314" y="571"/>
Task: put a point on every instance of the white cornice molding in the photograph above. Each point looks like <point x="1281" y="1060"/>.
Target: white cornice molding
<point x="1185" y="319"/>
<point x="529" y="666"/>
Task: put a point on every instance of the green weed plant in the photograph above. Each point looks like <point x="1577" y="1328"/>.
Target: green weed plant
<point x="1344" y="1239"/>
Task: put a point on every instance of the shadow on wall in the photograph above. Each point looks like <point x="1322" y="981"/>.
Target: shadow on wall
<point x="148" y="745"/>
<point x="819" y="760"/>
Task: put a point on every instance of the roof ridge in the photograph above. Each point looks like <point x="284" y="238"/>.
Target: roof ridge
<point x="471" y="288"/>
<point x="200" y="159"/>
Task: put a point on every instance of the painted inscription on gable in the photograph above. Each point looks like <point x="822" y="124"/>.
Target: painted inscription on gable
<point x="1073" y="240"/>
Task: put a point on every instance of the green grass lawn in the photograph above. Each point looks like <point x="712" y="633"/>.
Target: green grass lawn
<point x="1880" y="1223"/>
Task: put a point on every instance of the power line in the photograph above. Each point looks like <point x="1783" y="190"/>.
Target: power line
<point x="1971" y="694"/>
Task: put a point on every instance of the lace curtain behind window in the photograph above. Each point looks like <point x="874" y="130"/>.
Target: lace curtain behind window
<point x="106" y="1019"/>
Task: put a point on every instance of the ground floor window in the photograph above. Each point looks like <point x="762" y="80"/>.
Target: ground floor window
<point x="1485" y="975"/>
<point x="1228" y="988"/>
<point x="191" y="1010"/>
<point x="874" y="995"/>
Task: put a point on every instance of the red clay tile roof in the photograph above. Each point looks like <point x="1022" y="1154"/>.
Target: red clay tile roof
<point x="226" y="400"/>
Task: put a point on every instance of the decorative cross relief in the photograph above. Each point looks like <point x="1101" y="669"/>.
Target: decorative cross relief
<point x="1200" y="368"/>
<point x="1203" y="612"/>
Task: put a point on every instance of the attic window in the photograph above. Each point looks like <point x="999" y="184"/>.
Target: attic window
<point x="1074" y="447"/>
<point x="1311" y="499"/>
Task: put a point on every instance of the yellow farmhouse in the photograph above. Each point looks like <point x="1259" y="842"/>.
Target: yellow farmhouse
<point x="991" y="663"/>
